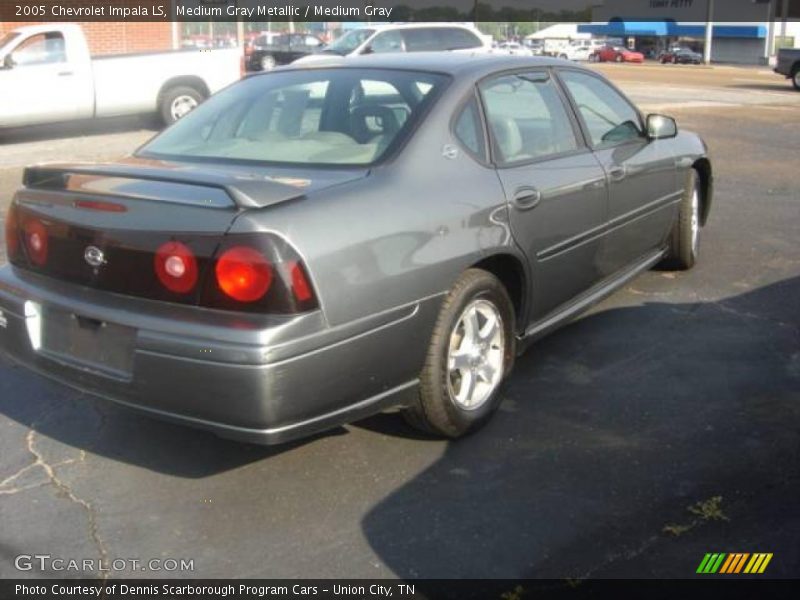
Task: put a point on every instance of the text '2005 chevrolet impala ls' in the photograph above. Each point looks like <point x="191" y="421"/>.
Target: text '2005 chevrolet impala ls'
<point x="315" y="245"/>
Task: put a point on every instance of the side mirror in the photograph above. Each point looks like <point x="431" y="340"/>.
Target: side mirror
<point x="8" y="62"/>
<point x="368" y="50"/>
<point x="660" y="127"/>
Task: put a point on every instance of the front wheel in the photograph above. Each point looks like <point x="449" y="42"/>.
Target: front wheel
<point x="177" y="102"/>
<point x="685" y="237"/>
<point x="267" y="63"/>
<point x="619" y="58"/>
<point x="470" y="353"/>
<point x="796" y="78"/>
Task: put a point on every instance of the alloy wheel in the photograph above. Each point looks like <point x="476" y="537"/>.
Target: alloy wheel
<point x="476" y="354"/>
<point x="181" y="106"/>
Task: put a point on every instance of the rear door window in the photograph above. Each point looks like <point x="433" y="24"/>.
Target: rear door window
<point x="527" y="117"/>
<point x="469" y="129"/>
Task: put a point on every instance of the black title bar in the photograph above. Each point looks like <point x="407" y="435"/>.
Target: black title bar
<point x="578" y="11"/>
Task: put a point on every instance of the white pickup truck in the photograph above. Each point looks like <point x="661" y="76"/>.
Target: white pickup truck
<point x="47" y="75"/>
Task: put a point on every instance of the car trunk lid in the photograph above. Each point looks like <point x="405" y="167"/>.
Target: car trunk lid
<point x="103" y="224"/>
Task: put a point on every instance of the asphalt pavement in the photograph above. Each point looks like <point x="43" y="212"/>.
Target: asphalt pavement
<point x="658" y="427"/>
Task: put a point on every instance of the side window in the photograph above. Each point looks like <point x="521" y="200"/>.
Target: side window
<point x="527" y="117"/>
<point x="468" y="129"/>
<point x="459" y="39"/>
<point x="41" y="49"/>
<point x="424" y="39"/>
<point x="609" y="117"/>
<point x="388" y="41"/>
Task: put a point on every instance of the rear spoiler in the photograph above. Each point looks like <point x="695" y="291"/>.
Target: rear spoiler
<point x="181" y="186"/>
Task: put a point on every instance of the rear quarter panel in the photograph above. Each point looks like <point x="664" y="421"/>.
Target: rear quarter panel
<point x="402" y="234"/>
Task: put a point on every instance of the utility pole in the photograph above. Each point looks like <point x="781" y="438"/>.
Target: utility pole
<point x="709" y="32"/>
<point x="784" y="18"/>
<point x="770" y="48"/>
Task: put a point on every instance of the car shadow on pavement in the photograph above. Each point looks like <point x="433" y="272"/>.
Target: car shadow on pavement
<point x="71" y="129"/>
<point x="628" y="444"/>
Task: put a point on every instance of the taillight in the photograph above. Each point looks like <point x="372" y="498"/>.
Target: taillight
<point x="300" y="285"/>
<point x="258" y="273"/>
<point x="36" y="241"/>
<point x="12" y="236"/>
<point x="176" y="267"/>
<point x="244" y="274"/>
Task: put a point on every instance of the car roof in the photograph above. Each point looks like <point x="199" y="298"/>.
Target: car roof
<point x="452" y="63"/>
<point x="417" y="25"/>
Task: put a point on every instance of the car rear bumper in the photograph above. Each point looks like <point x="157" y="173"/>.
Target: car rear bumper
<point x="256" y="379"/>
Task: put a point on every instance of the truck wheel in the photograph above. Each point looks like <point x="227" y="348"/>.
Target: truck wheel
<point x="267" y="63"/>
<point x="178" y="101"/>
<point x="471" y="351"/>
<point x="796" y="77"/>
<point x="684" y="239"/>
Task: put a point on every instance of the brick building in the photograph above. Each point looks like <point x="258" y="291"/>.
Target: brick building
<point x="117" y="37"/>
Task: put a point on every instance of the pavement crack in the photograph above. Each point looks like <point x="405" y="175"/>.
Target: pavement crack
<point x="67" y="491"/>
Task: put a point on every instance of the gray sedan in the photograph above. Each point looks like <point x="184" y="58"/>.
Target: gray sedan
<point x="314" y="245"/>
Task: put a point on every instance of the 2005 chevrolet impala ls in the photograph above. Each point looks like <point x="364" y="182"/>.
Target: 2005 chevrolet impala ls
<point x="314" y="245"/>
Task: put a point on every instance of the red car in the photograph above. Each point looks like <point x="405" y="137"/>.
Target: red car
<point x="618" y="54"/>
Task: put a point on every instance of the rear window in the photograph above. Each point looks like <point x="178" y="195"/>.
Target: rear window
<point x="321" y="117"/>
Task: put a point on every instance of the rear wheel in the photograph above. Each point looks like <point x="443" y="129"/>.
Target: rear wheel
<point x="471" y="351"/>
<point x="177" y="102"/>
<point x="685" y="236"/>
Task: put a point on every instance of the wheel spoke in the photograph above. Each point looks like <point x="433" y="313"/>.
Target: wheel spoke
<point x="467" y="388"/>
<point x="458" y="361"/>
<point x="471" y="326"/>
<point x="486" y="372"/>
<point x="489" y="328"/>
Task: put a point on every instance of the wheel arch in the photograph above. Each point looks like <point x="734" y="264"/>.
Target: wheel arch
<point x="703" y="168"/>
<point x="510" y="271"/>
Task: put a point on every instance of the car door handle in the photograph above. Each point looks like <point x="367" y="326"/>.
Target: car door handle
<point x="617" y="173"/>
<point x="65" y="73"/>
<point x="526" y="198"/>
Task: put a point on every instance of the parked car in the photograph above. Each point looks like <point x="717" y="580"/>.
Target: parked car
<point x="47" y="75"/>
<point x="281" y="50"/>
<point x="681" y="56"/>
<point x="311" y="246"/>
<point x="513" y="49"/>
<point x="788" y="65"/>
<point x="577" y="51"/>
<point x="617" y="54"/>
<point x="406" y="37"/>
<point x="535" y="46"/>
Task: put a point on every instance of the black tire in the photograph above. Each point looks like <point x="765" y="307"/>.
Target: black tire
<point x="682" y="254"/>
<point x="435" y="411"/>
<point x="172" y="94"/>
<point x="796" y="77"/>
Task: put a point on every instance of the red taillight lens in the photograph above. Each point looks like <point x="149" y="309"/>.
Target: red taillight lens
<point x="36" y="241"/>
<point x="244" y="274"/>
<point x="12" y="237"/>
<point x="300" y="285"/>
<point x="176" y="267"/>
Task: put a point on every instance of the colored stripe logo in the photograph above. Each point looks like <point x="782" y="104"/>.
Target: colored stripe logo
<point x="734" y="563"/>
